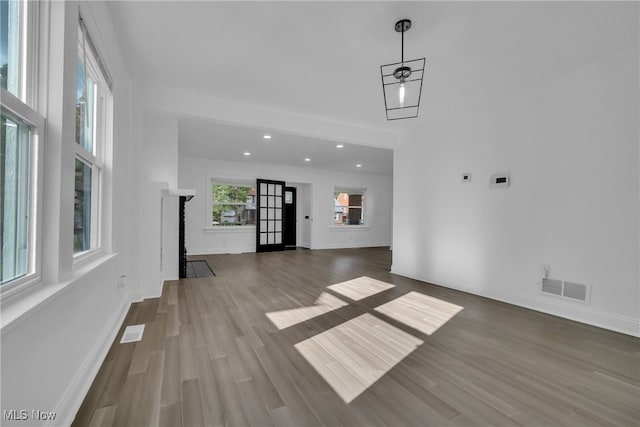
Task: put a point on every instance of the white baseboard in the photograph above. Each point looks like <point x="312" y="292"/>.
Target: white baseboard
<point x="579" y="313"/>
<point x="72" y="398"/>
<point x="216" y="251"/>
<point x="351" y="245"/>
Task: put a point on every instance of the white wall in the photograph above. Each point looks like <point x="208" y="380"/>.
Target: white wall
<point x="159" y="133"/>
<point x="303" y="209"/>
<point x="160" y="148"/>
<point x="571" y="148"/>
<point x="170" y="238"/>
<point x="55" y="337"/>
<point x="197" y="173"/>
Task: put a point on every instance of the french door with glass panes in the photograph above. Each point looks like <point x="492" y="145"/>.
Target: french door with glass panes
<point x="269" y="230"/>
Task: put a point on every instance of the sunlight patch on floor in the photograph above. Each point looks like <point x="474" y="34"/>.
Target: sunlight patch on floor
<point x="424" y="313"/>
<point x="360" y="288"/>
<point x="354" y="355"/>
<point x="324" y="304"/>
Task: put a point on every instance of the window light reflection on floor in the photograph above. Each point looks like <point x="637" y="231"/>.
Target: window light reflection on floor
<point x="360" y="288"/>
<point x="355" y="354"/>
<point x="324" y="304"/>
<point x="422" y="312"/>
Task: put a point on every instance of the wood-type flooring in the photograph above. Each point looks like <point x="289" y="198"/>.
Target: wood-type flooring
<point x="210" y="355"/>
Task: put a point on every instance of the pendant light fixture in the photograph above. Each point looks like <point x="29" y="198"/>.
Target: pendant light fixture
<point x="402" y="82"/>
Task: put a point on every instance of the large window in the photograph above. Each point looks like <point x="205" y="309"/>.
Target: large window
<point x="18" y="49"/>
<point x="92" y="121"/>
<point x="233" y="203"/>
<point x="10" y="22"/>
<point x="15" y="183"/>
<point x="20" y="150"/>
<point x="348" y="207"/>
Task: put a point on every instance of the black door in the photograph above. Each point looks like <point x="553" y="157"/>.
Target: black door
<point x="270" y="215"/>
<point x="290" y="218"/>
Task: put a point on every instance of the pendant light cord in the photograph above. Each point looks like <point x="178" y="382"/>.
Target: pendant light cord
<point x="402" y="46"/>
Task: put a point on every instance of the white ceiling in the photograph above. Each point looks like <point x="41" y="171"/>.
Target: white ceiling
<point x="323" y="58"/>
<point x="206" y="138"/>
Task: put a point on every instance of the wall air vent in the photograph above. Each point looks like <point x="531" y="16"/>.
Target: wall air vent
<point x="550" y="286"/>
<point x="574" y="291"/>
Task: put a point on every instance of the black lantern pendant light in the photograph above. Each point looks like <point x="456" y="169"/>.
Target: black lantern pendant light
<point x="402" y="82"/>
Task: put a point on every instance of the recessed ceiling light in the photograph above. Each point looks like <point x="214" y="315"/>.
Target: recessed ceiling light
<point x="358" y="165"/>
<point x="339" y="146"/>
<point x="307" y="159"/>
<point x="246" y="153"/>
<point x="266" y="136"/>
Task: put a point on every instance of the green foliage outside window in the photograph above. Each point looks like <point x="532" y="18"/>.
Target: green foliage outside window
<point x="233" y="204"/>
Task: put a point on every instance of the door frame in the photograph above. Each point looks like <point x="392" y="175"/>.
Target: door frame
<point x="294" y="220"/>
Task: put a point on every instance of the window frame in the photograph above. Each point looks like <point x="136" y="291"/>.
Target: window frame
<point x="209" y="225"/>
<point x="29" y="54"/>
<point x="102" y="123"/>
<point x="349" y="190"/>
<point x="24" y="107"/>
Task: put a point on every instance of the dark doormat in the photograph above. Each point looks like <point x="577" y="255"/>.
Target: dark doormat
<point x="199" y="269"/>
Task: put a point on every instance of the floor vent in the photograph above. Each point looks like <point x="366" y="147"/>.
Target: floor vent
<point x="199" y="269"/>
<point x="132" y="333"/>
<point x="574" y="291"/>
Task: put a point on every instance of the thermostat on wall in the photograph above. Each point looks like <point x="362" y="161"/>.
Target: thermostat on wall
<point x="499" y="181"/>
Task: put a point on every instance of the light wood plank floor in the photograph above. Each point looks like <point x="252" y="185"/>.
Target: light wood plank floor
<point x="359" y="288"/>
<point x="211" y="356"/>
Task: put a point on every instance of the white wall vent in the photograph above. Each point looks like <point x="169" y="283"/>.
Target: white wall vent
<point x="574" y="291"/>
<point x="551" y="286"/>
<point x="132" y="333"/>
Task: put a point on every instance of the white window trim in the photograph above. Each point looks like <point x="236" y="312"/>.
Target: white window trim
<point x="16" y="107"/>
<point x="30" y="57"/>
<point x="25" y="106"/>
<point x="348" y="227"/>
<point x="222" y="229"/>
<point x="82" y="258"/>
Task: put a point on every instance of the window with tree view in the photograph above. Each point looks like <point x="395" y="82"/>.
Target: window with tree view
<point x="233" y="204"/>
<point x="348" y="207"/>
